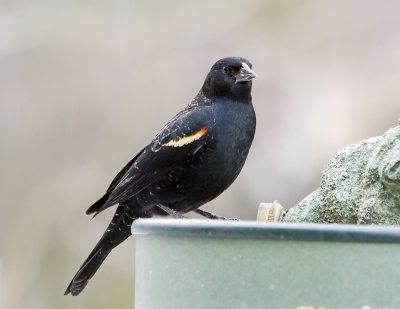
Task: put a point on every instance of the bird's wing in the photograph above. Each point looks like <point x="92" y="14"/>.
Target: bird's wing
<point x="182" y="136"/>
<point x="100" y="203"/>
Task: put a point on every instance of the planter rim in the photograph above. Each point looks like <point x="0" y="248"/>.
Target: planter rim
<point x="267" y="230"/>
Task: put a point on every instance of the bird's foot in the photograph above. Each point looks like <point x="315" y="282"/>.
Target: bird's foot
<point x="212" y="216"/>
<point x="173" y="213"/>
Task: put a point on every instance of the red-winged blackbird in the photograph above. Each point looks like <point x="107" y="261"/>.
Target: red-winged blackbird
<point x="194" y="158"/>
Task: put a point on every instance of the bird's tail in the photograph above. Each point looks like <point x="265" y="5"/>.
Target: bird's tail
<point x="117" y="232"/>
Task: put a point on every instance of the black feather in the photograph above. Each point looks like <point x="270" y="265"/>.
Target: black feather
<point x="193" y="159"/>
<point x="117" y="232"/>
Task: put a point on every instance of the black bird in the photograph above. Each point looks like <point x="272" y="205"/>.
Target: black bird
<point x="194" y="158"/>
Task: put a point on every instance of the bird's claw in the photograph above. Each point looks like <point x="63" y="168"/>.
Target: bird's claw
<point x="173" y="213"/>
<point x="212" y="216"/>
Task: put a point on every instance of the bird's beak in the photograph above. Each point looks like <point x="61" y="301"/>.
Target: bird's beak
<point x="245" y="74"/>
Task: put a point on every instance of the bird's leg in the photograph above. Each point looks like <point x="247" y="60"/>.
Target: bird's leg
<point x="173" y="213"/>
<point x="210" y="215"/>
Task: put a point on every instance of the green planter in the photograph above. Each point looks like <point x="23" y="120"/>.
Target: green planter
<point x="227" y="264"/>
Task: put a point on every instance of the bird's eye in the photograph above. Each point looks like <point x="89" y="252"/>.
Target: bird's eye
<point x="226" y="70"/>
<point x="230" y="70"/>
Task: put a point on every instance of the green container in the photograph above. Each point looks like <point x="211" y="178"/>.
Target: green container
<point x="233" y="264"/>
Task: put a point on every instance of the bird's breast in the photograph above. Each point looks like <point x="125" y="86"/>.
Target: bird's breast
<point x="235" y="127"/>
<point x="205" y="174"/>
<point x="232" y="137"/>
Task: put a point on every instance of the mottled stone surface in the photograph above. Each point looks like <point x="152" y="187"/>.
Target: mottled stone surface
<point x="361" y="185"/>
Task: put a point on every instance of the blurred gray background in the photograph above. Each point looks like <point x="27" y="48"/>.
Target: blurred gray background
<point x="86" y="84"/>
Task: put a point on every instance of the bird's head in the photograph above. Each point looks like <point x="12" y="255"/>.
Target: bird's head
<point x="230" y="78"/>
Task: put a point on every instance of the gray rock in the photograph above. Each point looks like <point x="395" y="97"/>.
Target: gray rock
<point x="361" y="185"/>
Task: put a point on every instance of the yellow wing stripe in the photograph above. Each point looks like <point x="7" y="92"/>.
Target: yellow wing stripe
<point x="182" y="141"/>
